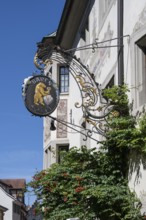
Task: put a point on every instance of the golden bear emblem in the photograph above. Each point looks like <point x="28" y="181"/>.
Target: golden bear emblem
<point x="41" y="90"/>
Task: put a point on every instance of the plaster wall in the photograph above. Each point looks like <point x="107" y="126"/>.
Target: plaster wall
<point x="6" y="201"/>
<point x="103" y="62"/>
<point x="135" y="26"/>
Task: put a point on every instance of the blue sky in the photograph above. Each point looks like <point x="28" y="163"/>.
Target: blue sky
<point x="22" y="25"/>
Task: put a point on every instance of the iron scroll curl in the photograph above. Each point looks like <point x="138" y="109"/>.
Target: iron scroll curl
<point x="94" y="106"/>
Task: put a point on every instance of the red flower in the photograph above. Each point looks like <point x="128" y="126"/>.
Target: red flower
<point x="65" y="199"/>
<point x="36" y="178"/>
<point x="79" y="189"/>
<point x="79" y="178"/>
<point x="65" y="174"/>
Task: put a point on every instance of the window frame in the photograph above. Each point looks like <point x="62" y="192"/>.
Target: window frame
<point x="137" y="69"/>
<point x="63" y="89"/>
<point x="140" y="58"/>
<point x="62" y="147"/>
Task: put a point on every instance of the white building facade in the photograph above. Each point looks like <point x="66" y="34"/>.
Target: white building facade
<point x="116" y="33"/>
<point x="8" y="201"/>
<point x="12" y="205"/>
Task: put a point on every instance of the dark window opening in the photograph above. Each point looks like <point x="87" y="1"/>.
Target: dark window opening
<point x="63" y="79"/>
<point x="60" y="151"/>
<point x="16" y="208"/>
<point x="141" y="70"/>
<point x="141" y="43"/>
<point x="110" y="83"/>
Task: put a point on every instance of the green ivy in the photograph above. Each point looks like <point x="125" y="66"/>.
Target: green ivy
<point x="91" y="184"/>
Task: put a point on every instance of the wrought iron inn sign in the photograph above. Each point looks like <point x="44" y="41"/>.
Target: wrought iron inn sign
<point x="41" y="95"/>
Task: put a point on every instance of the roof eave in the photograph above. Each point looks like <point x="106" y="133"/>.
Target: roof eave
<point x="70" y="22"/>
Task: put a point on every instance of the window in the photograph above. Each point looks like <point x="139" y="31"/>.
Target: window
<point x="16" y="208"/>
<point x="63" y="79"/>
<point x="141" y="70"/>
<point x="60" y="150"/>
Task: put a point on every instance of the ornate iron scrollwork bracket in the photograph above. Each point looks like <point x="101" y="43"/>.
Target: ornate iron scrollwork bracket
<point x="94" y="107"/>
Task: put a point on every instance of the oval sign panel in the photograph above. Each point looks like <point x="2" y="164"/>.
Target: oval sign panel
<point x="41" y="95"/>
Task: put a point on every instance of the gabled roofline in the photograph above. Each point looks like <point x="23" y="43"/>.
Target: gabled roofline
<point x="13" y="198"/>
<point x="8" y="194"/>
<point x="14" y="183"/>
<point x="3" y="183"/>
